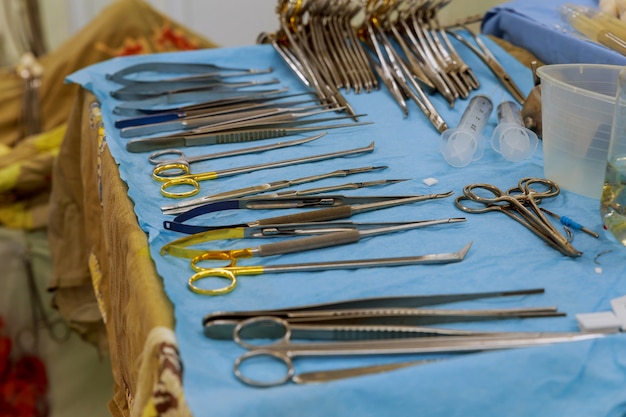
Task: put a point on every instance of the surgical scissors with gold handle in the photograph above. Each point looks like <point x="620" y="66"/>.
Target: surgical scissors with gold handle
<point x="194" y="179"/>
<point x="230" y="273"/>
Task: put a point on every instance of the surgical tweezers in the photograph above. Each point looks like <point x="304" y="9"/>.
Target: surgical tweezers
<point x="259" y="132"/>
<point x="492" y="63"/>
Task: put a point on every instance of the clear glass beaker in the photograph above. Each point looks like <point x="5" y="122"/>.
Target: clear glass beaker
<point x="613" y="200"/>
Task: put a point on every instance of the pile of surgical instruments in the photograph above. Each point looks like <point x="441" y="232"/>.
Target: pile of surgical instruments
<point x="189" y="104"/>
<point x="373" y="326"/>
<point x="347" y="44"/>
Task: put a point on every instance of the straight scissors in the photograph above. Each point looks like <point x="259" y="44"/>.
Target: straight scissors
<point x="193" y="180"/>
<point x="521" y="204"/>
<point x="285" y="351"/>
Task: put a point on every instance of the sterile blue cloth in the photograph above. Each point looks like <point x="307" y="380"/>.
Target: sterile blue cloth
<point x="537" y="26"/>
<point x="577" y="379"/>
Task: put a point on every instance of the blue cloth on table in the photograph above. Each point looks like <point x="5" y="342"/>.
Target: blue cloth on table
<point x="537" y="26"/>
<point x="577" y="379"/>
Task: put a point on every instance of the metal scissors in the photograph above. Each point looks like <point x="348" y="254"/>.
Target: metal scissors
<point x="340" y="233"/>
<point x="521" y="204"/>
<point x="285" y="350"/>
<point x="230" y="273"/>
<point x="193" y="180"/>
<point x="165" y="167"/>
<point x="337" y="208"/>
<point x="189" y="205"/>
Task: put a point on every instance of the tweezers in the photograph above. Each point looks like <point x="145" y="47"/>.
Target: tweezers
<point x="221" y="323"/>
<point x="168" y="103"/>
<point x="198" y="110"/>
<point x="260" y="132"/>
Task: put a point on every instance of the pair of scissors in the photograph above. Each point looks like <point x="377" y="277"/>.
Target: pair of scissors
<point x="193" y="180"/>
<point x="230" y="272"/>
<point x="521" y="204"/>
<point x="207" y="201"/>
<point x="284" y="350"/>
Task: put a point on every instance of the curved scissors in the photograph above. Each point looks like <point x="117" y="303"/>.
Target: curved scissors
<point x="230" y="272"/>
<point x="521" y="204"/>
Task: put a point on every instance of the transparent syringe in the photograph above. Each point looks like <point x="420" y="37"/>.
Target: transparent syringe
<point x="510" y="138"/>
<point x="465" y="143"/>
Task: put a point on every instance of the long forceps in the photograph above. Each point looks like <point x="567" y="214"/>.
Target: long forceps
<point x="194" y="179"/>
<point x="521" y="204"/>
<point x="233" y="136"/>
<point x="228" y="121"/>
<point x="285" y="351"/>
<point x="169" y="167"/>
<point x="390" y="301"/>
<point x="230" y="273"/>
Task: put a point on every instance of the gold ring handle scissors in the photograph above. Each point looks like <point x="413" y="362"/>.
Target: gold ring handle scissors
<point x="193" y="180"/>
<point x="231" y="272"/>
